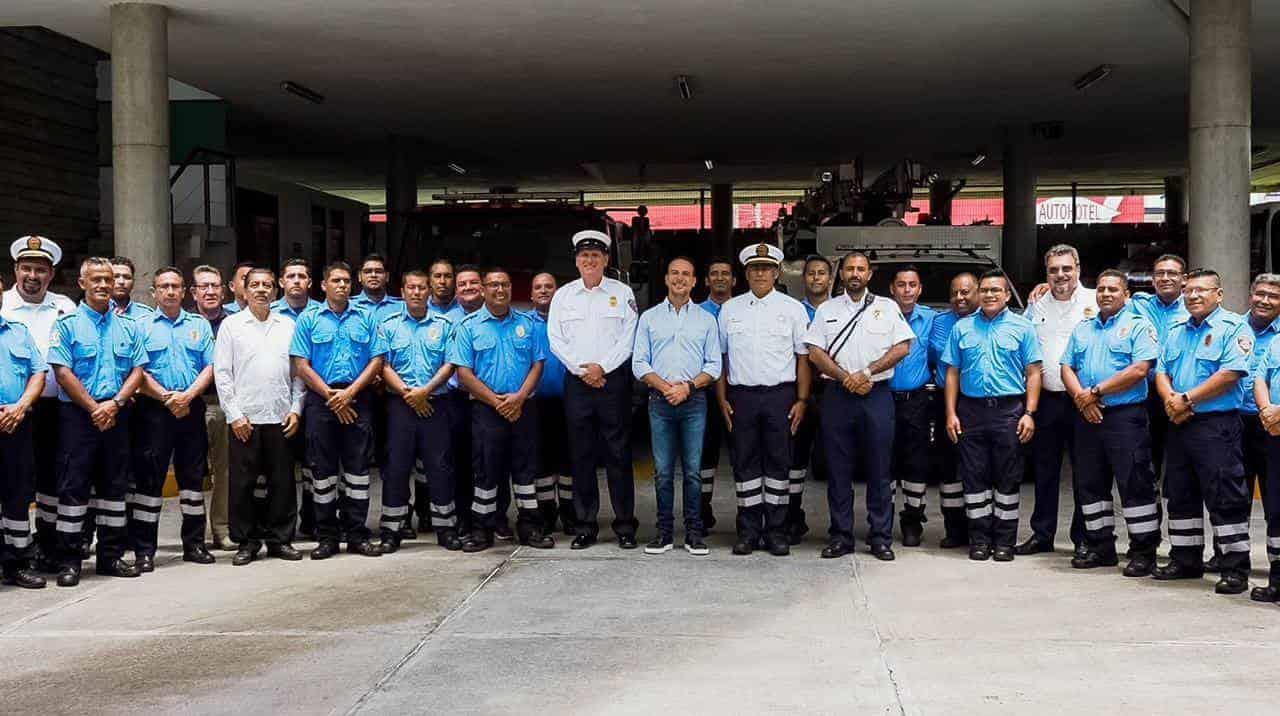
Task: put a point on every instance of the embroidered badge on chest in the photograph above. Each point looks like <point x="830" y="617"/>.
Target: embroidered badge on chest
<point x="433" y="333"/>
<point x="1124" y="331"/>
<point x="1245" y="343"/>
<point x="519" y="331"/>
<point x="1089" y="312"/>
<point x="1208" y="340"/>
<point x="195" y="334"/>
<point x="613" y="302"/>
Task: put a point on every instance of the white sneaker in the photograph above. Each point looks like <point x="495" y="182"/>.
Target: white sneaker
<point x="696" y="547"/>
<point x="658" y="545"/>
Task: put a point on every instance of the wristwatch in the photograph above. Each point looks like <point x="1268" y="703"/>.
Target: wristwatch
<point x="119" y="403"/>
<point x="692" y="388"/>
<point x="1030" y="414"/>
<point x="1095" y="392"/>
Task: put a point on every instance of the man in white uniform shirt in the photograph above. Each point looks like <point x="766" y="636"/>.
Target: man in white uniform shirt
<point x="855" y="340"/>
<point x="1054" y="317"/>
<point x="591" y="326"/>
<point x="762" y="392"/>
<point x="31" y="303"/>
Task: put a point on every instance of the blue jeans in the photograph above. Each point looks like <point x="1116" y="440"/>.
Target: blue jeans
<point x="677" y="432"/>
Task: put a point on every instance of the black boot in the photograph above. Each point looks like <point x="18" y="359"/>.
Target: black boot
<point x="912" y="526"/>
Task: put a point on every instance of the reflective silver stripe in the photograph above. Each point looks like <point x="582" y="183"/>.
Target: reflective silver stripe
<point x="913" y="486"/>
<point x="708" y="473"/>
<point x="951" y="502"/>
<point x="354" y="494"/>
<point x="914" y="501"/>
<point x="526" y="504"/>
<point x="748" y="485"/>
<point x="1006" y="514"/>
<point x="568" y="494"/>
<point x="545" y="482"/>
<point x="324" y="498"/>
<point x="1227" y="530"/>
<point x="796" y="488"/>
<point x="952" y="488"/>
<point x="1095" y="507"/>
<point x="144" y="516"/>
<point x="1194" y="523"/>
<point x="356" y="480"/>
<point x="72" y="527"/>
<point x="73" y="510"/>
<point x="112" y="505"/>
<point x="1106" y="521"/>
<point x="324" y="483"/>
<point x="566" y="480"/>
<point x="773" y="484"/>
<point x="1273" y="542"/>
<point x="974" y="513"/>
<point x="95" y="503"/>
<point x="1141" y="510"/>
<point x="482" y="508"/>
<point x="196" y="495"/>
<point x="443" y="521"/>
<point x="974" y="498"/>
<point x="777" y="499"/>
<point x="193" y="510"/>
<point x="147" y="500"/>
<point x="1139" y="528"/>
<point x="391" y="523"/>
<point x="797" y="474"/>
<point x="442" y="509"/>
<point x="483" y="494"/>
<point x="1010" y="500"/>
<point x="260" y="493"/>
<point x="395" y="511"/>
<point x="111" y="520"/>
<point x="20" y="525"/>
<point x="18" y="541"/>
<point x="751" y="501"/>
<point x="1186" y="541"/>
<point x="524" y="489"/>
<point x="44" y="516"/>
<point x="1241" y="546"/>
<point x="48" y="500"/>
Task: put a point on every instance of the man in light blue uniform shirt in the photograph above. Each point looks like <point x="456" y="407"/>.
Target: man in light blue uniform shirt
<point x="295" y="289"/>
<point x="911" y="404"/>
<point x="469" y="299"/>
<point x="1264" y="321"/>
<point x="1163" y="309"/>
<point x="97" y="357"/>
<point x="442" y="298"/>
<point x="498" y="355"/>
<point x="337" y="351"/>
<point x="555" y="473"/>
<point x="806" y="449"/>
<point x="1266" y="391"/>
<point x="1104" y="370"/>
<point x="963" y="296"/>
<point x="720" y="282"/>
<point x="993" y="390"/>
<point x="22" y="374"/>
<point x="373" y="295"/>
<point x="415" y="374"/>
<point x="122" y="290"/>
<point x="1198" y="378"/>
<point x="236" y="284"/>
<point x="677" y="355"/>
<point x="169" y="422"/>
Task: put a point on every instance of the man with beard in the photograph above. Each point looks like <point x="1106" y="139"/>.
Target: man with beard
<point x="720" y="282"/>
<point x="31" y="303"/>
<point x="963" y="293"/>
<point x="911" y="404"/>
<point x="442" y="299"/>
<point x="555" y="474"/>
<point x="806" y="450"/>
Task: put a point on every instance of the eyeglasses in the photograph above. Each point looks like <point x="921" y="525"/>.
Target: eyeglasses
<point x="1166" y="274"/>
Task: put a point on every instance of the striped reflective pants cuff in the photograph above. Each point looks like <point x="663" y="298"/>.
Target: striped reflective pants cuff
<point x="750" y="492"/>
<point x="977" y="504"/>
<point x="16" y="533"/>
<point x="442" y="515"/>
<point x="484" y="502"/>
<point x="1273" y="548"/>
<point x="1232" y="537"/>
<point x="912" y="495"/>
<point x="260" y="488"/>
<point x="393" y="518"/>
<point x="1099" y="516"/>
<point x="1006" y="506"/>
<point x="795" y="481"/>
<point x="46" y="509"/>
<point x="565" y="487"/>
<point x="324" y="489"/>
<point x="526" y="496"/>
<point x="1142" y="520"/>
<point x="951" y="495"/>
<point x="356" y="487"/>
<point x="109" y="513"/>
<point x="144" y="508"/>
<point x="1186" y="531"/>
<point x="546" y="487"/>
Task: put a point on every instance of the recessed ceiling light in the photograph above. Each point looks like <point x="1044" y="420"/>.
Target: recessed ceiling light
<point x="456" y="169"/>
<point x="298" y="90"/>
<point x="686" y="89"/>
<point x="1092" y="76"/>
<point x="709" y="164"/>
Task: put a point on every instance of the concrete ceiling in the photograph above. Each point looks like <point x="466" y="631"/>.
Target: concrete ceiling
<point x="530" y="93"/>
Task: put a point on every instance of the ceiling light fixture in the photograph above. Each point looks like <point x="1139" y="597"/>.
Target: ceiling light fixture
<point x="709" y="164"/>
<point x="456" y="169"/>
<point x="1093" y="76"/>
<point x="298" y="90"/>
<point x="978" y="158"/>
<point x="686" y="90"/>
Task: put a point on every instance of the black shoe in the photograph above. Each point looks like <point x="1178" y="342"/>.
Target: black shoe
<point x="1139" y="566"/>
<point x="23" y="577"/>
<point x="1174" y="570"/>
<point x="744" y="547"/>
<point x="364" y="548"/>
<point x="1080" y="551"/>
<point x="952" y="542"/>
<point x="145" y="563"/>
<point x="198" y="554"/>
<point x="979" y="552"/>
<point x="1002" y="554"/>
<point x="1214" y="565"/>
<point x="779" y="547"/>
<point x="1231" y="584"/>
<point x="68" y="577"/>
<point x="447" y="537"/>
<point x="284" y="551"/>
<point x="390" y="544"/>
<point x="1093" y="560"/>
<point x="539" y="540"/>
<point x="407" y="532"/>
<point x="627" y="541"/>
<point x="504" y="533"/>
<point x="246" y="554"/>
<point x="659" y="545"/>
<point x="117" y="568"/>
<point x="883" y="552"/>
<point x="325" y="550"/>
<point x="1033" y="546"/>
<point x="86" y="551"/>
<point x="477" y="541"/>
<point x="1269" y="593"/>
<point x="911" y="533"/>
<point x="693" y="544"/>
<point x="582" y="542"/>
<point x="836" y="549"/>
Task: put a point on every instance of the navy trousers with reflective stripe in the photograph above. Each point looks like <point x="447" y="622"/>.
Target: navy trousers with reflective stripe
<point x="991" y="466"/>
<point x="412" y="439"/>
<point x="89" y="458"/>
<point x="857" y="433"/>
<point x="339" y="457"/>
<point x="761" y="437"/>
<point x="158" y="439"/>
<point x="44" y="421"/>
<point x="500" y="450"/>
<point x="555" y="473"/>
<point x="1117" y="450"/>
<point x="945" y="463"/>
<point x="911" y="454"/>
<point x="17" y="488"/>
<point x="807" y="456"/>
<point x="1204" y="469"/>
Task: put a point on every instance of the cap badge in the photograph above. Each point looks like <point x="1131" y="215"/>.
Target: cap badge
<point x="762" y="250"/>
<point x="33" y="243"/>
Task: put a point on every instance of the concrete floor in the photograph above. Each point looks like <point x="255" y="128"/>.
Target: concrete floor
<point x="520" y="630"/>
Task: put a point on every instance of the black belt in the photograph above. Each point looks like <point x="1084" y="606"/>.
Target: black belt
<point x="763" y="388"/>
<point x="903" y="395"/>
<point x="1001" y="401"/>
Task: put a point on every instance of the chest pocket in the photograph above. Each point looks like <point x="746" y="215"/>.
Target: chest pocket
<point x="83" y="357"/>
<point x="21" y="356"/>
<point x="570" y="320"/>
<point x="1208" y="359"/>
<point x="157" y="353"/>
<point x="971" y="353"/>
<point x="123" y="353"/>
<point x="484" y="342"/>
<point x="1120" y="348"/>
<point x="1008" y="343"/>
<point x="777" y="337"/>
<point x="357" y="332"/>
<point x="877" y="326"/>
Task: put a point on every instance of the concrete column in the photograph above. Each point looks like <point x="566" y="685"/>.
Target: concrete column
<point x="1175" y="201"/>
<point x="1018" y="249"/>
<point x="1221" y="114"/>
<point x="722" y="220"/>
<point x="140" y="137"/>
<point x="402" y="198"/>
